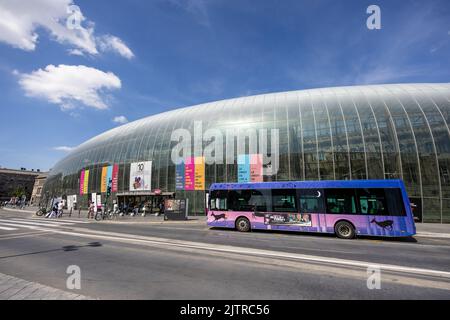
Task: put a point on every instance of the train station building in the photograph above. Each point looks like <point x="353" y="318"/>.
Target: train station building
<point x="394" y="131"/>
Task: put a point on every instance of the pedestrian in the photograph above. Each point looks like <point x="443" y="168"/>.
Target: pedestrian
<point x="53" y="212"/>
<point x="91" y="210"/>
<point x="161" y="207"/>
<point x="60" y="209"/>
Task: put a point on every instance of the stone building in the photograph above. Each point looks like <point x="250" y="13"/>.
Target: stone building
<point x="13" y="181"/>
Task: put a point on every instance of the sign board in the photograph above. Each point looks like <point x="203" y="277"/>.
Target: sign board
<point x="175" y="209"/>
<point x="140" y="176"/>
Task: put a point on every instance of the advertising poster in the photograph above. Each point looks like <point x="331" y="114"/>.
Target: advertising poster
<point x="82" y="182"/>
<point x="243" y="168"/>
<point x="199" y="173"/>
<point x="179" y="176"/>
<point x="99" y="200"/>
<point x="287" y="219"/>
<point x="94" y="199"/>
<point x="86" y="182"/>
<point x="189" y="174"/>
<point x="103" y="180"/>
<point x="256" y="169"/>
<point x="115" y="177"/>
<point x="140" y="176"/>
<point x="109" y="175"/>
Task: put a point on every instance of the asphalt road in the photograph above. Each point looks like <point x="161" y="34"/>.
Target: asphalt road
<point x="173" y="260"/>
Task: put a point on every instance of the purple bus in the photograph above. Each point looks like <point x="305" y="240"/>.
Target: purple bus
<point x="346" y="208"/>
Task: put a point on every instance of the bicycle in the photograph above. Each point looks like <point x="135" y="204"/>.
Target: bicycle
<point x="100" y="215"/>
<point x="41" y="211"/>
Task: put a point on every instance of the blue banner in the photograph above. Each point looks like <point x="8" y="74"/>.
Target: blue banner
<point x="179" y="176"/>
<point x="109" y="175"/>
<point x="243" y="168"/>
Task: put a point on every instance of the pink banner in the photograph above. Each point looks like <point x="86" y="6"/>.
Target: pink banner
<point x="256" y="168"/>
<point x="189" y="174"/>
<point x="81" y="182"/>
<point x="115" y="176"/>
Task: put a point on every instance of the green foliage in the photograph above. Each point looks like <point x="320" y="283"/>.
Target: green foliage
<point x="19" y="192"/>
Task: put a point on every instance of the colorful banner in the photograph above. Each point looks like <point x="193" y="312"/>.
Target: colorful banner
<point x="103" y="180"/>
<point x="179" y="176"/>
<point x="82" y="182"/>
<point x="115" y="178"/>
<point x="189" y="174"/>
<point x="109" y="176"/>
<point x="199" y="183"/>
<point x="256" y="168"/>
<point x="140" y="176"/>
<point x="86" y="182"/>
<point x="243" y="168"/>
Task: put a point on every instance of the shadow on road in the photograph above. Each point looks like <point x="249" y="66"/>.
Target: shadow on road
<point x="65" y="248"/>
<point x="324" y="235"/>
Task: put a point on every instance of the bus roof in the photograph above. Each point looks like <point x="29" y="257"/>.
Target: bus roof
<point x="390" y="183"/>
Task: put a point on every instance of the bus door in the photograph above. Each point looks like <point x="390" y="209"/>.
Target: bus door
<point x="312" y="207"/>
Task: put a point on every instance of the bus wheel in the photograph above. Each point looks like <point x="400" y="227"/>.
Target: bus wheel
<point x="344" y="230"/>
<point x="242" y="224"/>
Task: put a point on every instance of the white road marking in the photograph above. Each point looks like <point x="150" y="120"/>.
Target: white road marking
<point x="58" y="219"/>
<point x="43" y="223"/>
<point x="7" y="228"/>
<point x="19" y="225"/>
<point x="433" y="235"/>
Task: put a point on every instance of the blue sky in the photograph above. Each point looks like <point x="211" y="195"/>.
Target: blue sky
<point x="136" y="58"/>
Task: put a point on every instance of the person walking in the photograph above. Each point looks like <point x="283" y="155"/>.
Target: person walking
<point x="91" y="210"/>
<point x="60" y="209"/>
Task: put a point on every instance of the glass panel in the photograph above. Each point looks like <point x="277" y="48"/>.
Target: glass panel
<point x="309" y="140"/>
<point x="371" y="138"/>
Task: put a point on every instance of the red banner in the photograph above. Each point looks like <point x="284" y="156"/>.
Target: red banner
<point x="115" y="176"/>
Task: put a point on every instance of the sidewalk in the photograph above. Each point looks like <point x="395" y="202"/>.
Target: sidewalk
<point x="82" y="215"/>
<point x="12" y="288"/>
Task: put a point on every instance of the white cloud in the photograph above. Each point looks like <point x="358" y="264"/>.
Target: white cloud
<point x="120" y="119"/>
<point x="63" y="148"/>
<point x="20" y="20"/>
<point x="112" y="43"/>
<point x="68" y="85"/>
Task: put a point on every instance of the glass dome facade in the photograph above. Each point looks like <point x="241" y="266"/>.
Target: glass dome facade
<point x="360" y="132"/>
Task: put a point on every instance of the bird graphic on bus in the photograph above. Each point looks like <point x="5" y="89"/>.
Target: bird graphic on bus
<point x="387" y="224"/>
<point x="219" y="216"/>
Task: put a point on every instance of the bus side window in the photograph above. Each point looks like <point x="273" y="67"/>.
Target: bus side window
<point x="283" y="200"/>
<point x="341" y="201"/>
<point x="218" y="200"/>
<point x="247" y="200"/>
<point x="311" y="200"/>
<point x="372" y="201"/>
<point x="395" y="204"/>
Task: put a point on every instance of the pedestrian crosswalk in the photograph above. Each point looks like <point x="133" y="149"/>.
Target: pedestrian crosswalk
<point x="12" y="224"/>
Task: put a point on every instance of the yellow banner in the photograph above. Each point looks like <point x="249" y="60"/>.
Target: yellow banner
<point x="199" y="173"/>
<point x="86" y="182"/>
<point x="103" y="181"/>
